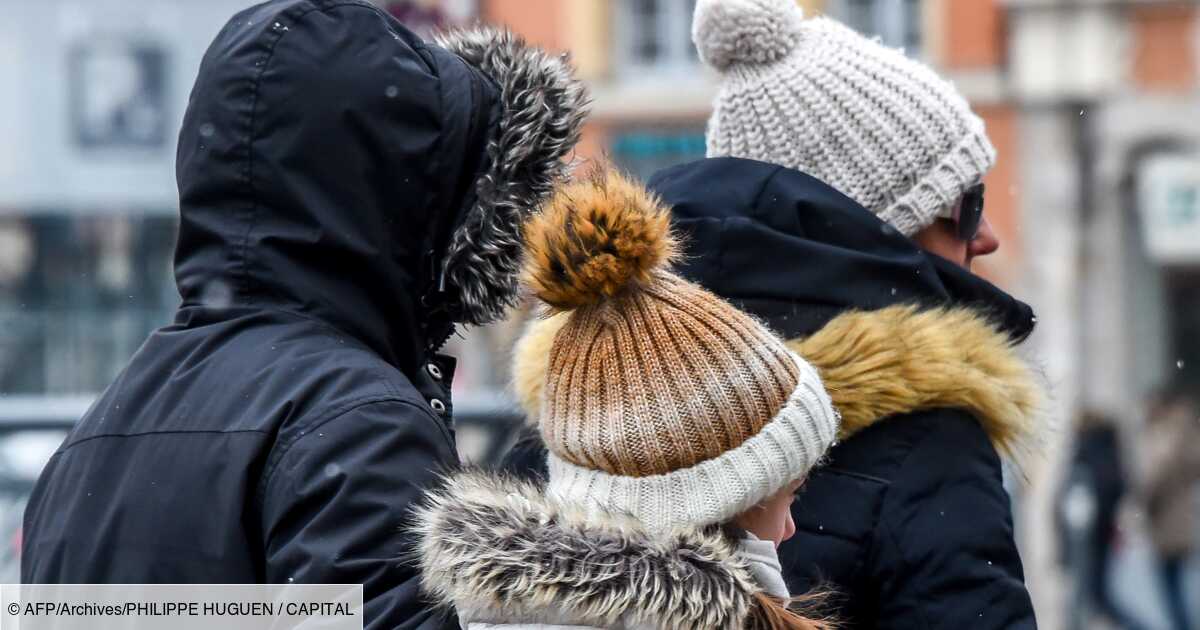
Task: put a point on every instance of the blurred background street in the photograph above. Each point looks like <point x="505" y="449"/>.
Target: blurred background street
<point x="1094" y="106"/>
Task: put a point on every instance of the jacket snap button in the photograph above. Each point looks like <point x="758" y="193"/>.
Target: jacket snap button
<point x="434" y="371"/>
<point x="438" y="406"/>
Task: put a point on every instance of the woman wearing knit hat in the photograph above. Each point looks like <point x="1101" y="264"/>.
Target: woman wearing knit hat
<point x="678" y="430"/>
<point x="843" y="207"/>
<point x="911" y="521"/>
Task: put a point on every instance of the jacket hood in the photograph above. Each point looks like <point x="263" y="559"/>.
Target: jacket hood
<point x="827" y="254"/>
<point x="543" y="108"/>
<point x="889" y="328"/>
<point x="498" y="550"/>
<point x="329" y="158"/>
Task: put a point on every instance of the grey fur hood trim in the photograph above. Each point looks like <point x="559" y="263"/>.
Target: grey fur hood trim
<point x="543" y="106"/>
<point x="500" y="551"/>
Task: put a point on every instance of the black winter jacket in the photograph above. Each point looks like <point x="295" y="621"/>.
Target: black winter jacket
<point x="280" y="428"/>
<point x="908" y="521"/>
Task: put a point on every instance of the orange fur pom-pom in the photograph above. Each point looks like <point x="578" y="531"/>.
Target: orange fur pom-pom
<point x="595" y="239"/>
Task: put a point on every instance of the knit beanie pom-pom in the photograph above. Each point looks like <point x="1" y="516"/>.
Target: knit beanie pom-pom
<point x="728" y="32"/>
<point x="596" y="238"/>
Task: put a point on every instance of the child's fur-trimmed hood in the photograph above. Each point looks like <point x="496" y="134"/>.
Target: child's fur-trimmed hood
<point x="500" y="551"/>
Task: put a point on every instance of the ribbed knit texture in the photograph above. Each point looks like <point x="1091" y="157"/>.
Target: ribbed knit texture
<point x="813" y="95"/>
<point x="661" y="379"/>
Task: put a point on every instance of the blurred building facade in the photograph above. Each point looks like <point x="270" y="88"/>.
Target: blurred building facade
<point x="1108" y="175"/>
<point x="1092" y="105"/>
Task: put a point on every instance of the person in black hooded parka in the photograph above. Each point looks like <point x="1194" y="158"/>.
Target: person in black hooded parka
<point x="842" y="204"/>
<point x="348" y="193"/>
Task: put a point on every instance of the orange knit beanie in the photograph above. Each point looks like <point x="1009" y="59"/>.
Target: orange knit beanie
<point x="660" y="399"/>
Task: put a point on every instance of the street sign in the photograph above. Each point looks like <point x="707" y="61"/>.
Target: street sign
<point x="1169" y="205"/>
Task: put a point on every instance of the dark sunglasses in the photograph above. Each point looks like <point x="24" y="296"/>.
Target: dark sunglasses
<point x="969" y="214"/>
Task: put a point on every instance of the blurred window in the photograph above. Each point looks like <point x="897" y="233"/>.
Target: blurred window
<point x="1183" y="287"/>
<point x="896" y="22"/>
<point x="654" y="36"/>
<point x="642" y="152"/>
<point x="78" y="295"/>
<point x="118" y="94"/>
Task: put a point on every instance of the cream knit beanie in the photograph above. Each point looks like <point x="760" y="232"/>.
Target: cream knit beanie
<point x="813" y="95"/>
<point x="660" y="400"/>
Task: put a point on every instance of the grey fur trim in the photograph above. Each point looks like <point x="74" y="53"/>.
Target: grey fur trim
<point x="543" y="109"/>
<point x="500" y="551"/>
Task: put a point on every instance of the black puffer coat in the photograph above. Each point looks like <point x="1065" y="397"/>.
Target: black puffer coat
<point x="332" y="230"/>
<point x="909" y="520"/>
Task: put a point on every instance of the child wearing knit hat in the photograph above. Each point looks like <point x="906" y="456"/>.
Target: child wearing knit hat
<point x="678" y="429"/>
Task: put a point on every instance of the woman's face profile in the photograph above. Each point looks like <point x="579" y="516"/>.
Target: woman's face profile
<point x="772" y="519"/>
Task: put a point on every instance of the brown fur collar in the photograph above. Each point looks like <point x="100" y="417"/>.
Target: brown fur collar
<point x="500" y="551"/>
<point x="877" y="364"/>
<point x="900" y="359"/>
